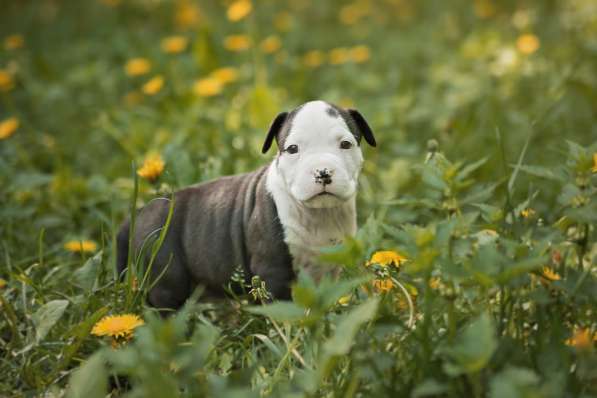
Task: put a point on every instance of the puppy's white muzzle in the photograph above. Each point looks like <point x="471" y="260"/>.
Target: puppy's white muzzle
<point x="322" y="181"/>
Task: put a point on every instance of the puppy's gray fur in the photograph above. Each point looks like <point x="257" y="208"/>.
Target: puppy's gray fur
<point x="219" y="225"/>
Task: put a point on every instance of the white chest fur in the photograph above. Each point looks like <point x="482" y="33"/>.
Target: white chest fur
<point x="308" y="230"/>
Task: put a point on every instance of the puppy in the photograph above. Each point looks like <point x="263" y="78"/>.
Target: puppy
<point x="271" y="222"/>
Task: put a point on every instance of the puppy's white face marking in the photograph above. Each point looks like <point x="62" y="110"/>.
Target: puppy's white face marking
<point x="321" y="159"/>
<point x="313" y="182"/>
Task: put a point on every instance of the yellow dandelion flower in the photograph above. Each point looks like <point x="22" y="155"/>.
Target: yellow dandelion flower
<point x="81" y="246"/>
<point x="174" y="44"/>
<point x="386" y="257"/>
<point x="550" y="274"/>
<point x="527" y="43"/>
<point x="238" y="10"/>
<point x="484" y="8"/>
<point x="14" y="42"/>
<point x="117" y="325"/>
<point x="225" y="75"/>
<point x="352" y="13"/>
<point x="6" y="81"/>
<point x="283" y="21"/>
<point x="237" y="42"/>
<point x="207" y="87"/>
<point x="348" y="15"/>
<point x="528" y="213"/>
<point x="271" y="44"/>
<point x="581" y="339"/>
<point x="3" y="283"/>
<point x="313" y="58"/>
<point x="8" y="127"/>
<point x="187" y="14"/>
<point x="344" y="300"/>
<point x="360" y="54"/>
<point x="153" y="86"/>
<point x="152" y="167"/>
<point x="383" y="285"/>
<point x="339" y="55"/>
<point x="594" y="169"/>
<point x="137" y="66"/>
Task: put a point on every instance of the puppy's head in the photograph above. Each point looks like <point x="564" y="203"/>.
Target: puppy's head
<point x="319" y="152"/>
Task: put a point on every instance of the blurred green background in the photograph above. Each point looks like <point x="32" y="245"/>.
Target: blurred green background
<point x="455" y="71"/>
<point x="501" y="254"/>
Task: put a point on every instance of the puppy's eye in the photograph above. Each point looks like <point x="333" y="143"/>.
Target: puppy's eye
<point x="292" y="149"/>
<point x="346" y="144"/>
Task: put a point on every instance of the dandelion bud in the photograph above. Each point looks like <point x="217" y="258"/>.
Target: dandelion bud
<point x="432" y="145"/>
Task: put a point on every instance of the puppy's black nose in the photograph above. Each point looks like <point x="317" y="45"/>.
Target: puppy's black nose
<point x="323" y="176"/>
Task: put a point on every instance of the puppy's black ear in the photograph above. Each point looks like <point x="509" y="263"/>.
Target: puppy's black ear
<point x="363" y="126"/>
<point x="274" y="129"/>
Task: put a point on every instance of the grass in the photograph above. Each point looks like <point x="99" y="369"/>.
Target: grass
<point x="483" y="178"/>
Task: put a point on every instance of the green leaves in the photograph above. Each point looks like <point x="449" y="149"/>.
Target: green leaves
<point x="472" y="349"/>
<point x="346" y="329"/>
<point x="467" y="170"/>
<point x="522" y="267"/>
<point x="452" y="183"/>
<point x="514" y="382"/>
<point x="85" y="276"/>
<point x="79" y="333"/>
<point x="46" y="317"/>
<point x="492" y="265"/>
<point x="329" y="291"/>
<point x="347" y="254"/>
<point x="543" y="172"/>
<point x="429" y="387"/>
<point x="90" y="380"/>
<point x="348" y="326"/>
<point x="165" y="357"/>
<point x="458" y="209"/>
<point x="280" y="311"/>
<point x="311" y="301"/>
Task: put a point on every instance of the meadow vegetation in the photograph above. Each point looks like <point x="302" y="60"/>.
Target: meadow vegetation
<point x="473" y="273"/>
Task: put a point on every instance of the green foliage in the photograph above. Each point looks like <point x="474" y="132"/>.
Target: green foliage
<point x="514" y="382"/>
<point x="472" y="349"/>
<point x="348" y="326"/>
<point x="281" y="311"/>
<point x="484" y="178"/>
<point x="47" y="316"/>
<point x="90" y="380"/>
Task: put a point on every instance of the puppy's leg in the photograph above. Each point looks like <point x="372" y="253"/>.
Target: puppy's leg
<point x="122" y="249"/>
<point x="174" y="284"/>
<point x="168" y="270"/>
